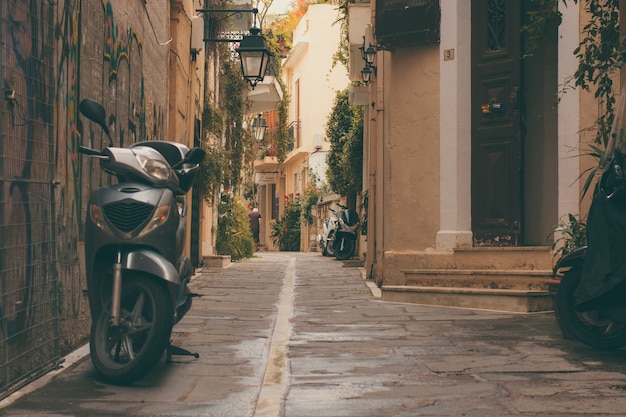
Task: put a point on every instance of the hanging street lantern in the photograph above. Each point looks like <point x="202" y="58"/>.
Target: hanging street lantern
<point x="254" y="55"/>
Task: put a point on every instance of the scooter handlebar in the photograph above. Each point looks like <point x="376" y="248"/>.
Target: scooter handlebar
<point x="88" y="151"/>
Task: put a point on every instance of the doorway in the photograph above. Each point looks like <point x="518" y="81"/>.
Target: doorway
<point x="514" y="140"/>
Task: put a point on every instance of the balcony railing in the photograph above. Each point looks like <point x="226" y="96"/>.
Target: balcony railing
<point x="295" y="133"/>
<point x="269" y="145"/>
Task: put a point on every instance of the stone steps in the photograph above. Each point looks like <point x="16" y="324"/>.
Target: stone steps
<point x="480" y="278"/>
<point x="505" y="279"/>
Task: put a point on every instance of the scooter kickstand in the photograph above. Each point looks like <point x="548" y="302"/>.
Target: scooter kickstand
<point x="178" y="351"/>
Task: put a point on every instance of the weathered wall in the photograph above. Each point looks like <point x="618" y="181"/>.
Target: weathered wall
<point x="53" y="55"/>
<point x="108" y="51"/>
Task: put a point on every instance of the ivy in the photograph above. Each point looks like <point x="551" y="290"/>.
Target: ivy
<point x="212" y="172"/>
<point x="236" y="138"/>
<point x="212" y="119"/>
<point x="284" y="139"/>
<point x="598" y="54"/>
<point x="342" y="54"/>
<point x="542" y="16"/>
<point x="344" y="129"/>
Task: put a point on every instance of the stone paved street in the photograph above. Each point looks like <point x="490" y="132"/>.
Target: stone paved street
<point x="299" y="335"/>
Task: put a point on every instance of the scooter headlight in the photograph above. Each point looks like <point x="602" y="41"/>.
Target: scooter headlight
<point x="159" y="217"/>
<point x="97" y="216"/>
<point x="156" y="168"/>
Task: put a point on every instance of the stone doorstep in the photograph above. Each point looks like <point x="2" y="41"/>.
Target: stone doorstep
<point x="217" y="261"/>
<point x="353" y="263"/>
<point x="511" y="257"/>
<point x="517" y="258"/>
<point x="520" y="301"/>
<point x="482" y="278"/>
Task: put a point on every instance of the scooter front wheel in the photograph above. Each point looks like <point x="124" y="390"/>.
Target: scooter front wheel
<point x="345" y="249"/>
<point x="593" y="328"/>
<point x="123" y="354"/>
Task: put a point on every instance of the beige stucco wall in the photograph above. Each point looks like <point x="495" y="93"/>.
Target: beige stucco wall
<point x="410" y="103"/>
<point x="312" y="83"/>
<point x="412" y="144"/>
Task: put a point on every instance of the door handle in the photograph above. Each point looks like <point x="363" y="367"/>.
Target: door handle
<point x="493" y="107"/>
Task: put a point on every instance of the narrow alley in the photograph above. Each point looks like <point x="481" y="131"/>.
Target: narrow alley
<point x="299" y="335"/>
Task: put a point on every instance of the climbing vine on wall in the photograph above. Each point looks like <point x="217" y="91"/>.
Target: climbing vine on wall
<point x="234" y="104"/>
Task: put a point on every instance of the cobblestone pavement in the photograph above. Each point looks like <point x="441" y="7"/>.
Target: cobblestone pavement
<point x="299" y="335"/>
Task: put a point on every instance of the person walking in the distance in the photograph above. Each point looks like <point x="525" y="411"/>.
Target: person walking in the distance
<point x="255" y="225"/>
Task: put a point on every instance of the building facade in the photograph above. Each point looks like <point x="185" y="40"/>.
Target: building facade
<point x="312" y="81"/>
<point x="472" y="149"/>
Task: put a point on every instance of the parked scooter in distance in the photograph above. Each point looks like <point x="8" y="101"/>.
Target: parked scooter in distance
<point x="329" y="230"/>
<point x="590" y="301"/>
<point x="137" y="275"/>
<point x="347" y="227"/>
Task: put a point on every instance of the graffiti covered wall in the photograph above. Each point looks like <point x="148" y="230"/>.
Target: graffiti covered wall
<point x="52" y="55"/>
<point x="106" y="51"/>
<point x="28" y="286"/>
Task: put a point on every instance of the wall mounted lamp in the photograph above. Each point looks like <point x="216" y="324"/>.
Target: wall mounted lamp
<point x="366" y="73"/>
<point x="368" y="54"/>
<point x="253" y="51"/>
<point x="259" y="126"/>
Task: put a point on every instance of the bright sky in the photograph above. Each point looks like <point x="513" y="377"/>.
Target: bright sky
<point x="280" y="6"/>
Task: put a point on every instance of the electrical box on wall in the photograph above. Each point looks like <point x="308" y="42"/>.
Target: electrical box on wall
<point x="197" y="33"/>
<point x="318" y="140"/>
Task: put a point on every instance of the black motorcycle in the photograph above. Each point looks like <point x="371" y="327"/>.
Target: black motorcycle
<point x="590" y="301"/>
<point x="346" y="233"/>
<point x="137" y="275"/>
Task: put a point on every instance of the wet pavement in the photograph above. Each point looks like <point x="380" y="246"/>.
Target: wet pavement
<point x="299" y="335"/>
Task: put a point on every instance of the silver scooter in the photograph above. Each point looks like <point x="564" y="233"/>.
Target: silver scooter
<point x="137" y="274"/>
<point x="329" y="230"/>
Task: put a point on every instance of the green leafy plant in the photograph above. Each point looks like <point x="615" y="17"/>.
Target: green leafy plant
<point x="573" y="235"/>
<point x="344" y="129"/>
<point x="308" y="200"/>
<point x="286" y="231"/>
<point x="283" y="140"/>
<point x="234" y="237"/>
<point x="600" y="53"/>
<point x="212" y="172"/>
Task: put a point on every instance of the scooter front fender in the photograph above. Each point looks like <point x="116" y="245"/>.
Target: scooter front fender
<point x="574" y="258"/>
<point x="144" y="260"/>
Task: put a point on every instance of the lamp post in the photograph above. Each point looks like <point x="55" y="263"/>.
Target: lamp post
<point x="253" y="51"/>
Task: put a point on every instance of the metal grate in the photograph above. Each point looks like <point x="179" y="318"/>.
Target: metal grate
<point x="29" y="336"/>
<point x="127" y="215"/>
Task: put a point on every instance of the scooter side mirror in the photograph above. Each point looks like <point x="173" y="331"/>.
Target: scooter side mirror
<point x="95" y="112"/>
<point x="195" y="156"/>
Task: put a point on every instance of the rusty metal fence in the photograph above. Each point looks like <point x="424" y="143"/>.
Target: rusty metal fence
<point x="29" y="344"/>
